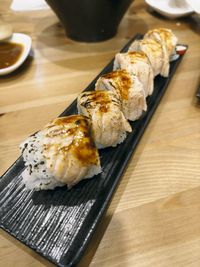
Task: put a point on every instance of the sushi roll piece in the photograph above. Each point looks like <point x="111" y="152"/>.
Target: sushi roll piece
<point x="155" y="53"/>
<point x="137" y="63"/>
<point x="63" y="153"/>
<point x="129" y="89"/>
<point x="168" y="41"/>
<point x="104" y="109"/>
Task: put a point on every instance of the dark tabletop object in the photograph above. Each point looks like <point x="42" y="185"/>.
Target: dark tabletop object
<point x="90" y="20"/>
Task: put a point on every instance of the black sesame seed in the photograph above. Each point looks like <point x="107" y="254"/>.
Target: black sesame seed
<point x="77" y="122"/>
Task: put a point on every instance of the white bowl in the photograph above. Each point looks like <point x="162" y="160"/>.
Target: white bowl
<point x="23" y="39"/>
<point x="171" y="8"/>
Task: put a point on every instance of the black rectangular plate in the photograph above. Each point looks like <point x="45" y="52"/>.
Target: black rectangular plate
<point x="58" y="224"/>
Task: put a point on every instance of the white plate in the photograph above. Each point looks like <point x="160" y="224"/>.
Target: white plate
<point x="23" y="39"/>
<point x="171" y="8"/>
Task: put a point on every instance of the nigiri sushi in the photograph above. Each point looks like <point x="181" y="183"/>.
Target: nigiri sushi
<point x="129" y="89"/>
<point x="104" y="109"/>
<point x="63" y="153"/>
<point x="155" y="53"/>
<point x="137" y="63"/>
<point x="168" y="41"/>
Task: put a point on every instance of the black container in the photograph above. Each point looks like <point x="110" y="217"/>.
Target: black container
<point x="90" y="20"/>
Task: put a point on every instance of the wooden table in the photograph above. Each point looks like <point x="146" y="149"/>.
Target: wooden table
<point x="154" y="216"/>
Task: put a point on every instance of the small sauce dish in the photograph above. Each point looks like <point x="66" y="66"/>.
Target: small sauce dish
<point x="13" y="52"/>
<point x="171" y="9"/>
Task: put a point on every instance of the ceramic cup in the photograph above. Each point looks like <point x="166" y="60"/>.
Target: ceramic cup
<point x="90" y="20"/>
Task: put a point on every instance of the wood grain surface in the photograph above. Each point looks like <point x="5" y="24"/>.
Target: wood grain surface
<point x="154" y="216"/>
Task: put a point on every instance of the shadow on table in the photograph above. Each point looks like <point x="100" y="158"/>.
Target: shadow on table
<point x="86" y="54"/>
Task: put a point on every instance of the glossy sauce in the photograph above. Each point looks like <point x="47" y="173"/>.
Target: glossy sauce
<point x="9" y="54"/>
<point x="82" y="146"/>
<point x="121" y="80"/>
<point x="102" y="99"/>
<point x="137" y="55"/>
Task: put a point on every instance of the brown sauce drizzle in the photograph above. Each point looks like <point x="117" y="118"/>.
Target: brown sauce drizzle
<point x="100" y="98"/>
<point x="167" y="38"/>
<point x="121" y="80"/>
<point x="165" y="35"/>
<point x="9" y="54"/>
<point x="82" y="146"/>
<point x="152" y="45"/>
<point x="85" y="150"/>
<point x="137" y="56"/>
<point x="77" y="119"/>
